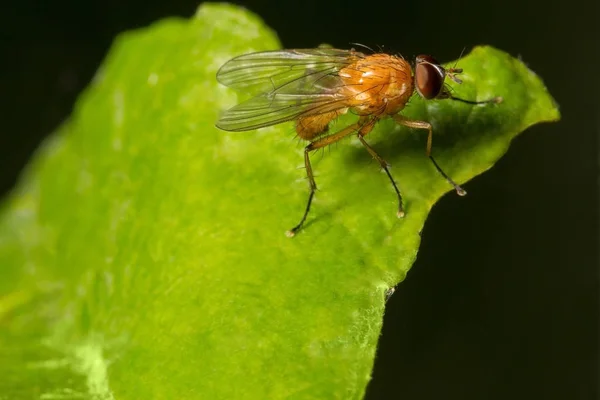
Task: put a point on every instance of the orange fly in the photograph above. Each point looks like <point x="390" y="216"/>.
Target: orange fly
<point x="314" y="86"/>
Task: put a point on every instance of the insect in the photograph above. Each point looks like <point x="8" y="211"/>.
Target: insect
<point x="315" y="86"/>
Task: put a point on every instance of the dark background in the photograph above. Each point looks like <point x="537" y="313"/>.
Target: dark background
<point x="502" y="302"/>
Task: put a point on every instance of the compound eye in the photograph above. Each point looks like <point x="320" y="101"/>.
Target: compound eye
<point x="429" y="77"/>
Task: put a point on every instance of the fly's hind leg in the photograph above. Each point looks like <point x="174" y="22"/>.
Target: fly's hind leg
<point x="426" y="125"/>
<point x="317" y="144"/>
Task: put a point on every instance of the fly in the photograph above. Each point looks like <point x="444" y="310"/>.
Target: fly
<point x="315" y="86"/>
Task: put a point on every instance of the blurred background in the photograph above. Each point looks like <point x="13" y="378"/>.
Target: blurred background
<point x="503" y="299"/>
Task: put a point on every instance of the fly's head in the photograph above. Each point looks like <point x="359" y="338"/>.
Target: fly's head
<point x="430" y="78"/>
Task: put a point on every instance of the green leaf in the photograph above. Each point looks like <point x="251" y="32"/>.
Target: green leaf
<point x="143" y="253"/>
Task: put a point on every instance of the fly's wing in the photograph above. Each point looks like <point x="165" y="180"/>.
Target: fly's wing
<point x="267" y="71"/>
<point x="290" y="83"/>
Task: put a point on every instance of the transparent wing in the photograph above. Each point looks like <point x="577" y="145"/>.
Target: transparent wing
<point x="269" y="70"/>
<point x="291" y="83"/>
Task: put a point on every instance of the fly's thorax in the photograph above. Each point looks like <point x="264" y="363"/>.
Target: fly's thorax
<point x="378" y="84"/>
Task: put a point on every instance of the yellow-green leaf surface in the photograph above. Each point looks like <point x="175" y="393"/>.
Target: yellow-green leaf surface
<point x="143" y="253"/>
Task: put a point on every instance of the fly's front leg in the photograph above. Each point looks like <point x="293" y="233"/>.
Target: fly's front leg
<point x="426" y="125"/>
<point x="317" y="144"/>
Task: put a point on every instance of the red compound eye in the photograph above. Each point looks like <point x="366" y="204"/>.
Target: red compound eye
<point x="429" y="77"/>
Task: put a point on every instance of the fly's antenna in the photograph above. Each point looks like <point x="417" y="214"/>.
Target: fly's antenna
<point x="459" y="57"/>
<point x="363" y="46"/>
<point x="451" y="72"/>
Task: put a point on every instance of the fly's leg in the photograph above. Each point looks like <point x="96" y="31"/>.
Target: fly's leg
<point x="426" y="125"/>
<point x="494" y="100"/>
<point x="385" y="167"/>
<point x="317" y="144"/>
<point x="313" y="188"/>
